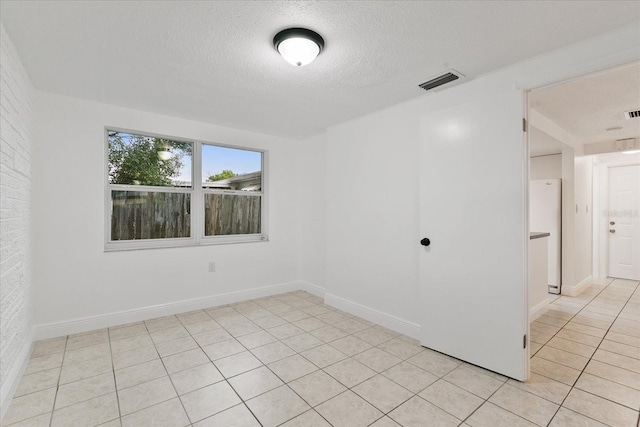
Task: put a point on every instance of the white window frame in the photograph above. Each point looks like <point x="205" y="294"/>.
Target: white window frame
<point x="197" y="200"/>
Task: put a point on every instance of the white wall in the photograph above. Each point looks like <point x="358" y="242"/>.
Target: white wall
<point x="583" y="228"/>
<point x="16" y="294"/>
<point x="372" y="179"/>
<point x="372" y="211"/>
<point x="75" y="278"/>
<point x="577" y="232"/>
<point x="546" y="167"/>
<point x="312" y="207"/>
<point x="568" y="222"/>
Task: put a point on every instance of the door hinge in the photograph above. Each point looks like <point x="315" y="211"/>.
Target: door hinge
<point x="524" y="341"/>
<point x="524" y="124"/>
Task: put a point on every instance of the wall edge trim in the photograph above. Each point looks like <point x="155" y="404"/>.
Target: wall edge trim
<point x="14" y="376"/>
<point x="85" y="324"/>
<point x="574" y="291"/>
<point x="381" y="318"/>
<point x="538" y="310"/>
<point x="316" y="290"/>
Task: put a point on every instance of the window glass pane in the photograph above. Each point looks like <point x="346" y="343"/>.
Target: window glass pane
<point x="226" y="168"/>
<point x="150" y="215"/>
<point x="145" y="160"/>
<point x="226" y="214"/>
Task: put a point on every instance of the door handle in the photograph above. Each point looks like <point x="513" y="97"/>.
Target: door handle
<point x="612" y="223"/>
<point x="425" y="242"/>
<point x="612" y="231"/>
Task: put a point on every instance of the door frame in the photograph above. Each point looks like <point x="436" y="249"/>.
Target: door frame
<point x="571" y="62"/>
<point x="527" y="88"/>
<point x="600" y="176"/>
<point x="600" y="222"/>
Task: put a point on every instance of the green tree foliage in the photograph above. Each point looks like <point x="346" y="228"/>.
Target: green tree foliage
<point x="134" y="159"/>
<point x="222" y="175"/>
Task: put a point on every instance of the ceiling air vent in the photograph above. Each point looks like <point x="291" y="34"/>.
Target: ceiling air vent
<point x="626" y="144"/>
<point x="450" y="76"/>
<point x="632" y="114"/>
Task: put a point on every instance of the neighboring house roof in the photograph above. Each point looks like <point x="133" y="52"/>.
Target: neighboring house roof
<point x="247" y="182"/>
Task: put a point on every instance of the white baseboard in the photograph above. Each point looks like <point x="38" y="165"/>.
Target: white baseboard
<point x="316" y="290"/>
<point x="14" y="376"/>
<point x="74" y="326"/>
<point x="574" y="291"/>
<point x="387" y="320"/>
<point x="538" y="310"/>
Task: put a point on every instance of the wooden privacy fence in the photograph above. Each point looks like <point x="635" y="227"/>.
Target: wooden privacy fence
<point x="149" y="215"/>
<point x="231" y="214"/>
<point x="155" y="215"/>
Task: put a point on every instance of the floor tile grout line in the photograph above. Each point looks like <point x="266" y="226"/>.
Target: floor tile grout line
<point x="115" y="383"/>
<point x="53" y="408"/>
<point x="174" y="387"/>
<point x="249" y="350"/>
<point x="565" y="351"/>
<point x="487" y="401"/>
<point x="244" y="403"/>
<point x="284" y="383"/>
<point x="224" y="378"/>
<point x="540" y="397"/>
<point x="615" y="366"/>
<point x="321" y="369"/>
<point x="178" y="396"/>
<point x="591" y="358"/>
<point x="114" y="374"/>
<point x="574" y="315"/>
<point x="368" y="327"/>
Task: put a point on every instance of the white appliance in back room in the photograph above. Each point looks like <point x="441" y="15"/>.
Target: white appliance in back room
<point x="545" y="215"/>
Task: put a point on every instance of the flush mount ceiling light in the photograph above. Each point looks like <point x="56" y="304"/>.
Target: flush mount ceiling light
<point x="298" y="46"/>
<point x="164" y="151"/>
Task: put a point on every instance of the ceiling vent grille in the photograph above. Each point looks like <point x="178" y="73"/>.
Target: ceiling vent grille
<point x="440" y="80"/>
<point x="632" y="114"/>
<point x="626" y="144"/>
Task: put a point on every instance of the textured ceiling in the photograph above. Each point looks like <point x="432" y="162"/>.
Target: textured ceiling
<point x="214" y="62"/>
<point x="586" y="107"/>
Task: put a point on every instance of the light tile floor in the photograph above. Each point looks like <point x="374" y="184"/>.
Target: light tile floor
<point x="291" y="360"/>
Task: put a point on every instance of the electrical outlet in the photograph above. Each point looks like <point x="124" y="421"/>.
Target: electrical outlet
<point x="212" y="267"/>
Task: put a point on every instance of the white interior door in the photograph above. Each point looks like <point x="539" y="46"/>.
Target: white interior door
<point x="473" y="208"/>
<point x="624" y="224"/>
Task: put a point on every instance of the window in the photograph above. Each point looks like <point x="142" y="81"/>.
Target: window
<point x="152" y="200"/>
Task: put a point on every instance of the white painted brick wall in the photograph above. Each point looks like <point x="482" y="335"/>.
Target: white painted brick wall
<point x="16" y="130"/>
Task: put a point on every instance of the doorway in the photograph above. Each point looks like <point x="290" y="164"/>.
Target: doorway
<point x="585" y="119"/>
<point x="624" y="224"/>
<point x="616" y="194"/>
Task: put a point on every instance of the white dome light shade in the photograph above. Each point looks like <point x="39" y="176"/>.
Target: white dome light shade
<point x="164" y="154"/>
<point x="298" y="46"/>
<point x="298" y="51"/>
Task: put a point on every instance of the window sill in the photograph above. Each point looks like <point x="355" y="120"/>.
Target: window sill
<point x="179" y="243"/>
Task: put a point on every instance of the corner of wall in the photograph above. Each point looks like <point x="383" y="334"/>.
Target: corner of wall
<point x="12" y="380"/>
<point x="16" y="292"/>
<point x="312" y="212"/>
<point x="577" y="289"/>
<point x="316" y="290"/>
<point x="389" y="321"/>
<point x="538" y="310"/>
